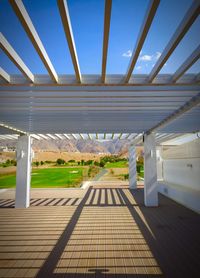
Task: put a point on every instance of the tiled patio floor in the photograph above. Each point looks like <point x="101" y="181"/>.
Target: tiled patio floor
<point x="107" y="232"/>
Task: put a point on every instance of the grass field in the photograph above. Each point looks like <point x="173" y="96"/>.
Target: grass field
<point x="49" y="177"/>
<point x="119" y="164"/>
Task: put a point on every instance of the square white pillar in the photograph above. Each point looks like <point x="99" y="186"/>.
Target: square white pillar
<point x="132" y="168"/>
<point x="159" y="163"/>
<point x="23" y="176"/>
<point x="150" y="171"/>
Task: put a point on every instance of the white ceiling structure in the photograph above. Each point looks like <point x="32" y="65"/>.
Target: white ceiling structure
<point x="108" y="106"/>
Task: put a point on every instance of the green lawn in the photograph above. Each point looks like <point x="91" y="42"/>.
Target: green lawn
<point x="50" y="177"/>
<point x="119" y="164"/>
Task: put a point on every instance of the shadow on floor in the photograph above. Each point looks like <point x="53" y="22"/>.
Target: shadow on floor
<point x="110" y="233"/>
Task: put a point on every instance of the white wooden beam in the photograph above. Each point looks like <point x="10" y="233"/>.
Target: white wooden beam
<point x="187" y="64"/>
<point x="12" y="128"/>
<point x="67" y="136"/>
<point x="59" y="136"/>
<point x="4" y="75"/>
<point x="51" y="136"/>
<point x="74" y="136"/>
<point x="26" y="22"/>
<point x="14" y="57"/>
<point x="64" y="13"/>
<point x="194" y="101"/>
<point x="151" y="10"/>
<point x="183" y="27"/>
<point x="35" y="136"/>
<point x="44" y="136"/>
<point x="107" y="17"/>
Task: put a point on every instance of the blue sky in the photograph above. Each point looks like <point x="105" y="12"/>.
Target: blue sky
<point x="87" y="18"/>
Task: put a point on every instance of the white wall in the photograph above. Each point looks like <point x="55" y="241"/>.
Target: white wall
<point x="181" y="174"/>
<point x="182" y="171"/>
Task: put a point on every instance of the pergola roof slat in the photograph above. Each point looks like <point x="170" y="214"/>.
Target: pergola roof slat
<point x="183" y="27"/>
<point x="151" y="11"/>
<point x="4" y="75"/>
<point x="194" y="101"/>
<point x="15" y="58"/>
<point x="107" y="17"/>
<point x="187" y="64"/>
<point x="26" y="22"/>
<point x="64" y="13"/>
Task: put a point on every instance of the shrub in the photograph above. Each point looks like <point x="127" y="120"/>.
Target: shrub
<point x="126" y="176"/>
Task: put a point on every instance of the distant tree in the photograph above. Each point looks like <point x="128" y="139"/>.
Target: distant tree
<point x="79" y="162"/>
<point x="82" y="162"/>
<point x="126" y="176"/>
<point x="42" y="162"/>
<point x="96" y="163"/>
<point x="71" y="161"/>
<point x="37" y="163"/>
<point x="60" y="161"/>
<point x="102" y="163"/>
<point x="138" y="168"/>
<point x="8" y="161"/>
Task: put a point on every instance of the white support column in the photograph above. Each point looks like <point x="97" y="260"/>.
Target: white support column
<point x="132" y="168"/>
<point x="23" y="178"/>
<point x="150" y="171"/>
<point x="159" y="163"/>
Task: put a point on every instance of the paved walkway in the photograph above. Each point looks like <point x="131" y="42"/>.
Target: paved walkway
<point x="107" y="233"/>
<point x="100" y="175"/>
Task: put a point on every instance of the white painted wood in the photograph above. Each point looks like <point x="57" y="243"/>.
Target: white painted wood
<point x="132" y="168"/>
<point x="15" y="58"/>
<point x="181" y="30"/>
<point x="64" y="13"/>
<point x="26" y="22"/>
<point x="107" y="17"/>
<point x="23" y="176"/>
<point x="151" y="10"/>
<point x="150" y="171"/>
<point x="187" y="64"/>
<point x="4" y="75"/>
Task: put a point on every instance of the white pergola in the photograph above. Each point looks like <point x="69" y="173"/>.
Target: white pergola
<point x="137" y="107"/>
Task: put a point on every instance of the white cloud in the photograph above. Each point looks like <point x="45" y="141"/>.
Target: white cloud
<point x="146" y="58"/>
<point x="128" y="53"/>
<point x="149" y="58"/>
<point x="138" y="68"/>
<point x="157" y="55"/>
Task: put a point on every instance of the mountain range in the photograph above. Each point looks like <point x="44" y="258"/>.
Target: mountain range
<point x="82" y="146"/>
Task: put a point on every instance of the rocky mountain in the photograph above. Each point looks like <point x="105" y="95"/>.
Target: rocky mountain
<point x="82" y="146"/>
